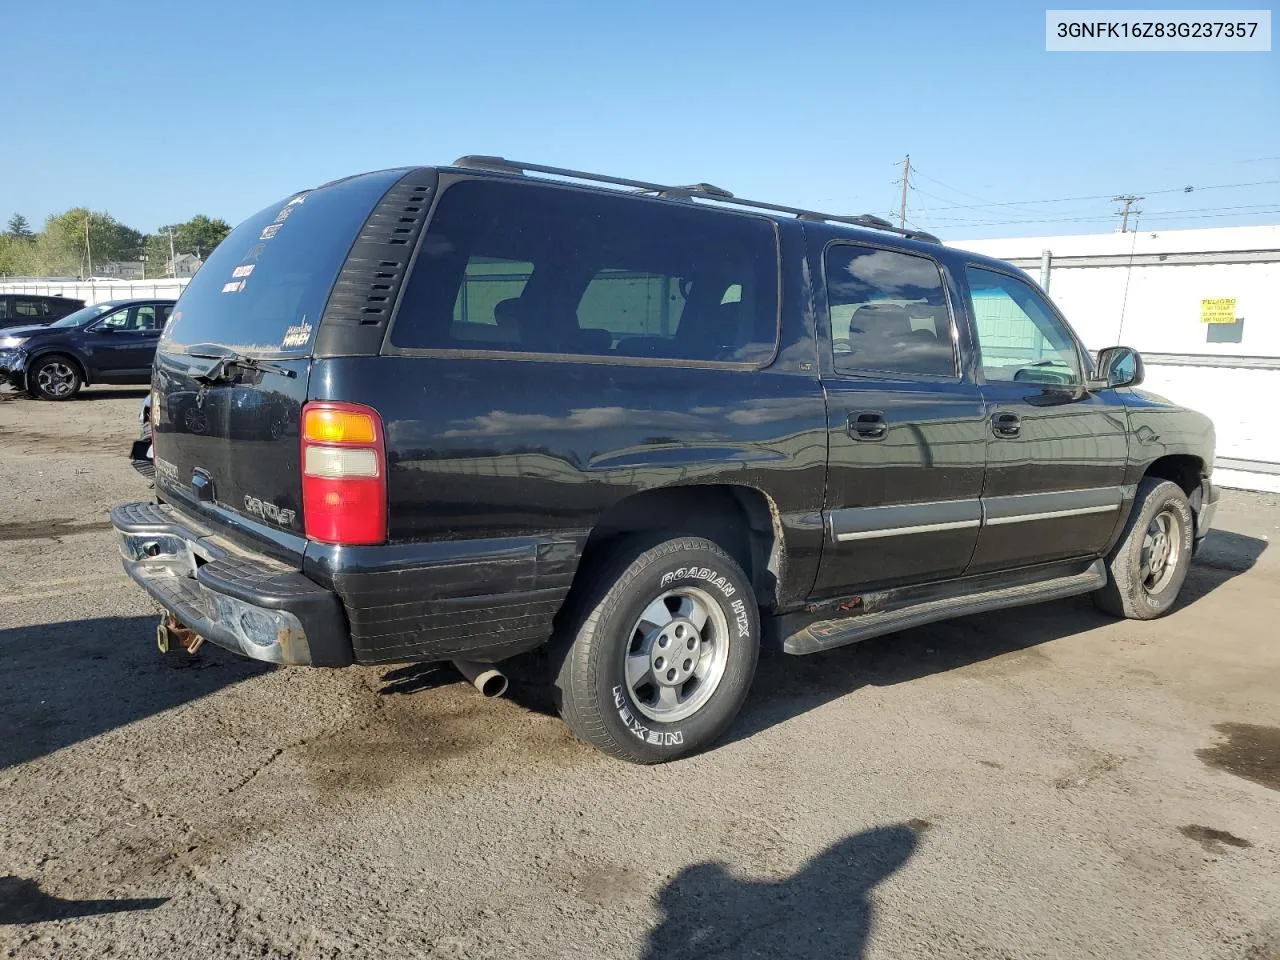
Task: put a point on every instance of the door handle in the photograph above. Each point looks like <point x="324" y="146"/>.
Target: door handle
<point x="1007" y="425"/>
<point x="867" y="426"/>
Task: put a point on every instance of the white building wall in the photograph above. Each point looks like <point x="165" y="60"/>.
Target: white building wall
<point x="1154" y="306"/>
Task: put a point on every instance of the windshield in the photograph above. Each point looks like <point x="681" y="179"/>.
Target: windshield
<point x="81" y="317"/>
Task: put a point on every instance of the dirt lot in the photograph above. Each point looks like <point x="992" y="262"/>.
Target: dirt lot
<point x="1038" y="783"/>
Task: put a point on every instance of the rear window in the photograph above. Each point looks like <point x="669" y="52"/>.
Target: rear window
<point x="261" y="292"/>
<point x="528" y="269"/>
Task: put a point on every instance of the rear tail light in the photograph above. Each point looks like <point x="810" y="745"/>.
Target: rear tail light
<point x="344" y="474"/>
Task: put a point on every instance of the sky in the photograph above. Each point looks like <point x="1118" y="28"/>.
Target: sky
<point x="158" y="111"/>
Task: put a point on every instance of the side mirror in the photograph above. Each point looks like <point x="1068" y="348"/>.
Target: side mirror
<point x="1118" y="367"/>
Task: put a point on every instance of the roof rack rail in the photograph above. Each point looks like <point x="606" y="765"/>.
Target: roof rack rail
<point x="699" y="191"/>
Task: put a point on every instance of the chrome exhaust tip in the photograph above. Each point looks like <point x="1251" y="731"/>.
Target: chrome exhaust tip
<point x="485" y="677"/>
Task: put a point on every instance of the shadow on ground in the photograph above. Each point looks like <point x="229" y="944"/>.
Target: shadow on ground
<point x="823" y="911"/>
<point x="87" y="393"/>
<point x="787" y="687"/>
<point x="22" y="901"/>
<point x="66" y="682"/>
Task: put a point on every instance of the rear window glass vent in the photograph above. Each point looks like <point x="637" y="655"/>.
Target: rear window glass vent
<point x="371" y="310"/>
<point x="382" y="286"/>
<point x="413" y="209"/>
<point x="389" y="263"/>
<point x="408" y="219"/>
<point x="398" y="240"/>
<point x="384" y="276"/>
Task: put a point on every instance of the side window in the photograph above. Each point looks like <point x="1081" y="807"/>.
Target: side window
<point x="534" y="269"/>
<point x="4" y="308"/>
<point x="115" y="321"/>
<point x="488" y="300"/>
<point x="165" y="313"/>
<point x="27" y="308"/>
<point x="1019" y="335"/>
<point x="144" y="318"/>
<point x="888" y="312"/>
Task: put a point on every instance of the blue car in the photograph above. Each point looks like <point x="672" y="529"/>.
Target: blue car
<point x="112" y="342"/>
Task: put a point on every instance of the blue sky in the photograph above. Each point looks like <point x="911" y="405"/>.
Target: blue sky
<point x="157" y="111"/>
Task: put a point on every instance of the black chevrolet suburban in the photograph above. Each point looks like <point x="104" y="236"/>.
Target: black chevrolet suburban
<point x="469" y="412"/>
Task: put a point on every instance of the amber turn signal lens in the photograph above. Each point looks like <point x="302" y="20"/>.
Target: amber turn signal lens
<point x="338" y="426"/>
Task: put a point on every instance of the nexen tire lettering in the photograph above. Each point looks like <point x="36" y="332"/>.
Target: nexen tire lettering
<point x="638" y="729"/>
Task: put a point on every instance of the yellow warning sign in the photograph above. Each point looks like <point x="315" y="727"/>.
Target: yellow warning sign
<point x="1221" y="310"/>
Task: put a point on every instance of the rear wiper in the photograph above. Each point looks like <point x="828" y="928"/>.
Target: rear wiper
<point x="229" y="365"/>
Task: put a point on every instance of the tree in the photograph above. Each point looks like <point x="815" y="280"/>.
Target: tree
<point x="107" y="239"/>
<point x="156" y="249"/>
<point x="20" y="229"/>
<point x="200" y="235"/>
<point x="17" y="257"/>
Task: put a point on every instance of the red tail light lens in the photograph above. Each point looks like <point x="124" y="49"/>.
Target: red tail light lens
<point x="344" y="474"/>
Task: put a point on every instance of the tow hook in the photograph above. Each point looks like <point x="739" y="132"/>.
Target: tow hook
<point x="170" y="635"/>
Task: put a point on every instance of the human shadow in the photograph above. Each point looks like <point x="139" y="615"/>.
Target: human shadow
<point x="22" y="901"/>
<point x="787" y="687"/>
<point x="822" y="912"/>
<point x="62" y="683"/>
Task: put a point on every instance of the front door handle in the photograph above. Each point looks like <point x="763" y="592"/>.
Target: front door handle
<point x="1006" y="425"/>
<point x="868" y="425"/>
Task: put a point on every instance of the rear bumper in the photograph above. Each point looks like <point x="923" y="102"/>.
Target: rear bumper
<point x="246" y="603"/>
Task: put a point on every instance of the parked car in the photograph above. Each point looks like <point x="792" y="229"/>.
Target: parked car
<point x="112" y="342"/>
<point x="24" y="309"/>
<point x="639" y="430"/>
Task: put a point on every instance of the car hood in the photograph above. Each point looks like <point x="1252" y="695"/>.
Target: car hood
<point x="29" y="331"/>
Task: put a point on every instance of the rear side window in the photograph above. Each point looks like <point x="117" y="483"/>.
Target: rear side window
<point x="888" y="312"/>
<point x="28" y="308"/>
<point x="263" y="289"/>
<point x="530" y="269"/>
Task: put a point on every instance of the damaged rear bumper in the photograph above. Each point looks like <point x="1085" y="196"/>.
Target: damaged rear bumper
<point x="246" y="603"/>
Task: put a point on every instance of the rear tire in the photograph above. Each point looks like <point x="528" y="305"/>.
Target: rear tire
<point x="661" y="651"/>
<point x="1147" y="567"/>
<point x="54" y="377"/>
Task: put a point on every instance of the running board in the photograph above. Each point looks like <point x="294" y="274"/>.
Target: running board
<point x="826" y="634"/>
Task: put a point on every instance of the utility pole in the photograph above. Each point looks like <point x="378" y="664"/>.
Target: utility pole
<point x="902" y="210"/>
<point x="1128" y="200"/>
<point x="88" y="251"/>
<point x="173" y="260"/>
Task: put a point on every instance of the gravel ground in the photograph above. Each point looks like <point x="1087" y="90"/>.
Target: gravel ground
<point x="1045" y="782"/>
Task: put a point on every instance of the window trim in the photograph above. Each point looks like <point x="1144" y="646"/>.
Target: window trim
<point x="390" y="349"/>
<point x="875" y="373"/>
<point x="1083" y="359"/>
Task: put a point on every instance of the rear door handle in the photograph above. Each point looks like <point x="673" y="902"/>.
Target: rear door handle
<point x="868" y="425"/>
<point x="1006" y="425"/>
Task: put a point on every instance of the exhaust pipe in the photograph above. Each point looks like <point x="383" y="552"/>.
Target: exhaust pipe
<point x="485" y="677"/>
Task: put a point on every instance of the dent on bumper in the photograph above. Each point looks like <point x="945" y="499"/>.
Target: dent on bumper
<point x="246" y="604"/>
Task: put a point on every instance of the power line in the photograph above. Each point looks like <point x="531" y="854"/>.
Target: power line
<point x="1164" y="215"/>
<point x="1082" y="218"/>
<point x="1096" y="196"/>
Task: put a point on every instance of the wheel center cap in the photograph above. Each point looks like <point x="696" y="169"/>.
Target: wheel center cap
<point x="674" y="652"/>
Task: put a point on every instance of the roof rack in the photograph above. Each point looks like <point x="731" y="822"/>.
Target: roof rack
<point x="698" y="191"/>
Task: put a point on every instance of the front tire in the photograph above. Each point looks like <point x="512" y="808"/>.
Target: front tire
<point x="1146" y="569"/>
<point x="663" y="650"/>
<point x="55" y="377"/>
